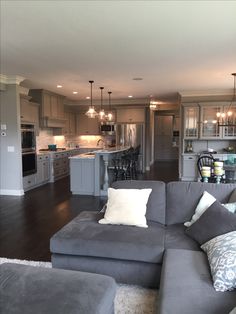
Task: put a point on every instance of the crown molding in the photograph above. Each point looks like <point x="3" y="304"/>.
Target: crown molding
<point x="205" y="93"/>
<point x="11" y="79"/>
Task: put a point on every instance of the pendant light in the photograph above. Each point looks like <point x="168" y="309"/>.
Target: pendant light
<point x="228" y="118"/>
<point x="109" y="115"/>
<point x="91" y="113"/>
<point x="101" y="112"/>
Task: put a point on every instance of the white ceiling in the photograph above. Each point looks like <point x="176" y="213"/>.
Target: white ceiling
<point x="172" y="45"/>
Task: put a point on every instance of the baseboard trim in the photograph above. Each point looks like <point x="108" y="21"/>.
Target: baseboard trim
<point x="12" y="192"/>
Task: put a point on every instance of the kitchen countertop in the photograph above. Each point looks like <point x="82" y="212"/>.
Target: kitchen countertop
<point x="57" y="151"/>
<point x="91" y="155"/>
<point x="84" y="156"/>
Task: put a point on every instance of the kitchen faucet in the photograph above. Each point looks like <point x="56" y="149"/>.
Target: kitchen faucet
<point x="101" y="140"/>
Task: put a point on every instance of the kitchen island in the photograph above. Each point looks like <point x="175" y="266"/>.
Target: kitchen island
<point x="89" y="172"/>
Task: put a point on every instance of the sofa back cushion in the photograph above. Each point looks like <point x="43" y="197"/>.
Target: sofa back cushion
<point x="157" y="199"/>
<point x="182" y="198"/>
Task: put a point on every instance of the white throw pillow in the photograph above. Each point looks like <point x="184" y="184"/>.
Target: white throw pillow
<point x="126" y="207"/>
<point x="233" y="311"/>
<point x="231" y="208"/>
<point x="206" y="201"/>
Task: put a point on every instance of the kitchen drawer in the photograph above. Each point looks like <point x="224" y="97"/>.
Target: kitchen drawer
<point x="42" y="157"/>
<point x="29" y="182"/>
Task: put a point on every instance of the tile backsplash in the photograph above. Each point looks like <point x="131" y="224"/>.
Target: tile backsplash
<point x="46" y="137"/>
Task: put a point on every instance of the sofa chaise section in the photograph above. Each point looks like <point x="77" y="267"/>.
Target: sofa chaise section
<point x="129" y="254"/>
<point x="186" y="286"/>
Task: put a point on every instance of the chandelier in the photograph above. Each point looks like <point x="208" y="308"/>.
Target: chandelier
<point x="91" y="113"/>
<point x="227" y="118"/>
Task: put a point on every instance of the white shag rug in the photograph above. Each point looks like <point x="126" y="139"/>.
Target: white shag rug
<point x="129" y="299"/>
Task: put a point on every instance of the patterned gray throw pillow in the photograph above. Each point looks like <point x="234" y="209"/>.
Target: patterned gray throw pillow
<point x="221" y="253"/>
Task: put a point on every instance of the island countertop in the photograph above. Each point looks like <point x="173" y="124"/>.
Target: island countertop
<point x="91" y="155"/>
<point x="91" y="172"/>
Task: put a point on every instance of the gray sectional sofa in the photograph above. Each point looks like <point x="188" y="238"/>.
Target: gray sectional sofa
<point x="160" y="256"/>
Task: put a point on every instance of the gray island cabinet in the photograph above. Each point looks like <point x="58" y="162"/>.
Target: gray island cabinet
<point x="89" y="172"/>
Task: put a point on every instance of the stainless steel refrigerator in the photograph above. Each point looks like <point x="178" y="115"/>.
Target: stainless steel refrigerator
<point x="132" y="135"/>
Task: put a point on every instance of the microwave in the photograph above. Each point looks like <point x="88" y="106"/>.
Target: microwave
<point x="107" y="129"/>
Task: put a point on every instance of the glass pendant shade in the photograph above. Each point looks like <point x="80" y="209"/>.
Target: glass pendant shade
<point x="109" y="115"/>
<point x="101" y="112"/>
<point x="91" y="112"/>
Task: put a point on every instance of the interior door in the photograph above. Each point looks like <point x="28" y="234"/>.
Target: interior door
<point x="163" y="131"/>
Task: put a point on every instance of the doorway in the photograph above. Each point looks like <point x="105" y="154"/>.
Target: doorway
<point x="165" y="148"/>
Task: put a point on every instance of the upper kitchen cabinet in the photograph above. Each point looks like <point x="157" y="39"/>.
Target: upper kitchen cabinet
<point x="191" y="118"/>
<point x="86" y="126"/>
<point x="200" y="121"/>
<point x="29" y="111"/>
<point x="208" y="122"/>
<point x="51" y="107"/>
<point x="229" y="132"/>
<point x="130" y="115"/>
<point x="70" y="126"/>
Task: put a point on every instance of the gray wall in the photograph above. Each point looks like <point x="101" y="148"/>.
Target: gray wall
<point x="10" y="162"/>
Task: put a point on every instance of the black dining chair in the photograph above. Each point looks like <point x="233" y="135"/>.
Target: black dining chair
<point x="206" y="160"/>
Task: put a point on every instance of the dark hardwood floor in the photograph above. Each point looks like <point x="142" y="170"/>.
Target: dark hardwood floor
<point x="28" y="222"/>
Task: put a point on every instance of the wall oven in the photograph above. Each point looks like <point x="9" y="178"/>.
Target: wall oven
<point x="28" y="146"/>
<point x="28" y="139"/>
<point x="29" y="163"/>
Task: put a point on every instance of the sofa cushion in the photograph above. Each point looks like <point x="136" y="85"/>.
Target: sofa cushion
<point x="233" y="311"/>
<point x="216" y="220"/>
<point x="126" y="207"/>
<point x="221" y="253"/>
<point x="157" y="200"/>
<point x="186" y="286"/>
<point x="182" y="198"/>
<point x="232" y="198"/>
<point x="89" y="238"/>
<point x="205" y="201"/>
<point x="175" y="238"/>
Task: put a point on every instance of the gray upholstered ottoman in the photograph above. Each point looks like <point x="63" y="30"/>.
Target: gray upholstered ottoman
<point x="28" y="289"/>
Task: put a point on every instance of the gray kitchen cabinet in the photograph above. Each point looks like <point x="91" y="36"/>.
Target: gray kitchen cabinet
<point x="189" y="168"/>
<point x="29" y="111"/>
<point x="208" y="122"/>
<point x="70" y="125"/>
<point x="86" y="126"/>
<point x="191" y="121"/>
<point x="29" y="182"/>
<point x="130" y="115"/>
<point x="59" y="165"/>
<point x="51" y="107"/>
<point x="43" y="169"/>
<point x="82" y="176"/>
<point x="229" y="132"/>
<point x="201" y="122"/>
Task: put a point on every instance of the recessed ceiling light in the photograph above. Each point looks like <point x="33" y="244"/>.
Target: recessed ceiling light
<point x="137" y="78"/>
<point x="87" y="97"/>
<point x="75" y="92"/>
<point x="59" y="86"/>
<point x="130" y="96"/>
